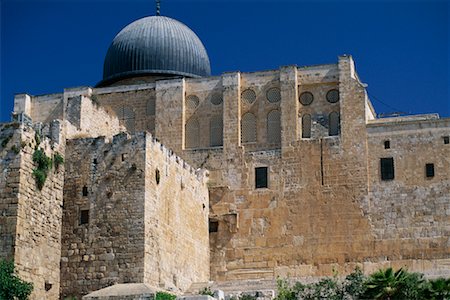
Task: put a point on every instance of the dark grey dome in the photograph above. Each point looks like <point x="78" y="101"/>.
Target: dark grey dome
<point x="155" y="45"/>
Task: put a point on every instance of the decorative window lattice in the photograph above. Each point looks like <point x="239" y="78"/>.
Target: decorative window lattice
<point x="306" y="98"/>
<point x="333" y="126"/>
<point x="126" y="116"/>
<point x="216" y="131"/>
<point x="216" y="99"/>
<point x="248" y="128"/>
<point x="249" y="96"/>
<point x="151" y="107"/>
<point x="273" y="95"/>
<point x="333" y="96"/>
<point x="306" y="126"/>
<point x="273" y="127"/>
<point x="192" y="134"/>
<point x="192" y="101"/>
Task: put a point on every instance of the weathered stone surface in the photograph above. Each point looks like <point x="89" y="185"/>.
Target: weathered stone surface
<point x="325" y="208"/>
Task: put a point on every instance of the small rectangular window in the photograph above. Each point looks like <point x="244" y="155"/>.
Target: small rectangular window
<point x="429" y="170"/>
<point x="446" y="140"/>
<point x="387" y="144"/>
<point x="85" y="191"/>
<point x="213" y="226"/>
<point x="261" y="177"/>
<point x="387" y="168"/>
<point x="84" y="216"/>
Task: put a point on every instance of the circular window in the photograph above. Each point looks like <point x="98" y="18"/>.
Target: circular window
<point x="216" y="99"/>
<point x="192" y="101"/>
<point x="273" y="95"/>
<point x="306" y="98"/>
<point x="333" y="96"/>
<point x="248" y="96"/>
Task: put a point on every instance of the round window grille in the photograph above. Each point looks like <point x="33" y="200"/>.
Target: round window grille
<point x="248" y="96"/>
<point x="273" y="95"/>
<point x="216" y="99"/>
<point x="333" y="96"/>
<point x="306" y="98"/>
<point x="192" y="101"/>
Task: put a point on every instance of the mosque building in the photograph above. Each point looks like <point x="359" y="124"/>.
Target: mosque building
<point x="165" y="177"/>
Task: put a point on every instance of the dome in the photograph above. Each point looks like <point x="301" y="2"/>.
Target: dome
<point x="155" y="45"/>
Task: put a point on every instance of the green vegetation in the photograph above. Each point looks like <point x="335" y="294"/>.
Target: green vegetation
<point x="206" y="291"/>
<point x="5" y="141"/>
<point x="385" y="284"/>
<point x="44" y="164"/>
<point x="164" y="296"/>
<point x="11" y="286"/>
<point x="15" y="149"/>
<point x="58" y="159"/>
<point x="37" y="138"/>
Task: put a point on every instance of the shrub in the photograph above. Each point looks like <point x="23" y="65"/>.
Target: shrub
<point x="164" y="296"/>
<point x="387" y="284"/>
<point x="11" y="286"/>
<point x="5" y="141"/>
<point x="437" y="289"/>
<point x="206" y="291"/>
<point x="44" y="163"/>
<point x="58" y="159"/>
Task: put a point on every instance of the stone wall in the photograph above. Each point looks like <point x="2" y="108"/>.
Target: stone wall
<point x="134" y="105"/>
<point x="137" y="230"/>
<point x="411" y="208"/>
<point x="31" y="218"/>
<point x="176" y="220"/>
<point x="87" y="117"/>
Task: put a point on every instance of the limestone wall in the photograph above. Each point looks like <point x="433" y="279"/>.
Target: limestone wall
<point x="104" y="181"/>
<point x="133" y="105"/>
<point x="120" y="226"/>
<point x="46" y="108"/>
<point x="176" y="220"/>
<point x="411" y="208"/>
<point x="87" y="118"/>
<point x="31" y="218"/>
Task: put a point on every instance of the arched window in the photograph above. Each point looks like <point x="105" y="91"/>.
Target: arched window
<point x="273" y="127"/>
<point x="126" y="116"/>
<point x="192" y="134"/>
<point x="333" y="123"/>
<point x="216" y="131"/>
<point x="306" y="126"/>
<point x="248" y="128"/>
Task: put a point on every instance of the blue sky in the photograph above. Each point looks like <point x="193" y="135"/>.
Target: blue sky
<point x="401" y="48"/>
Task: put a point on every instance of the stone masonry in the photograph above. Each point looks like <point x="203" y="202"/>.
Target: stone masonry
<point x="297" y="183"/>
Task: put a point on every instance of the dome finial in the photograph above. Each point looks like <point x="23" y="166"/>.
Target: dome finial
<point x="158" y="7"/>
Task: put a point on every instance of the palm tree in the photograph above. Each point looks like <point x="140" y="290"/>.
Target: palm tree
<point x="389" y="285"/>
<point x="438" y="289"/>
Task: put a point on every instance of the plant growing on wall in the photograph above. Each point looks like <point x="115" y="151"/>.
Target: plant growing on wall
<point x="11" y="286"/>
<point x="206" y="291"/>
<point x="44" y="164"/>
<point x="164" y="296"/>
<point x="58" y="159"/>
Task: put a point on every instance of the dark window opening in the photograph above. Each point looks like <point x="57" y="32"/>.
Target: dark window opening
<point x="157" y="176"/>
<point x="261" y="177"/>
<point x="387" y="144"/>
<point x="85" y="191"/>
<point x="124" y="156"/>
<point x="446" y="140"/>
<point x="429" y="170"/>
<point x="387" y="168"/>
<point x="213" y="226"/>
<point x="84" y="216"/>
<point x="95" y="161"/>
